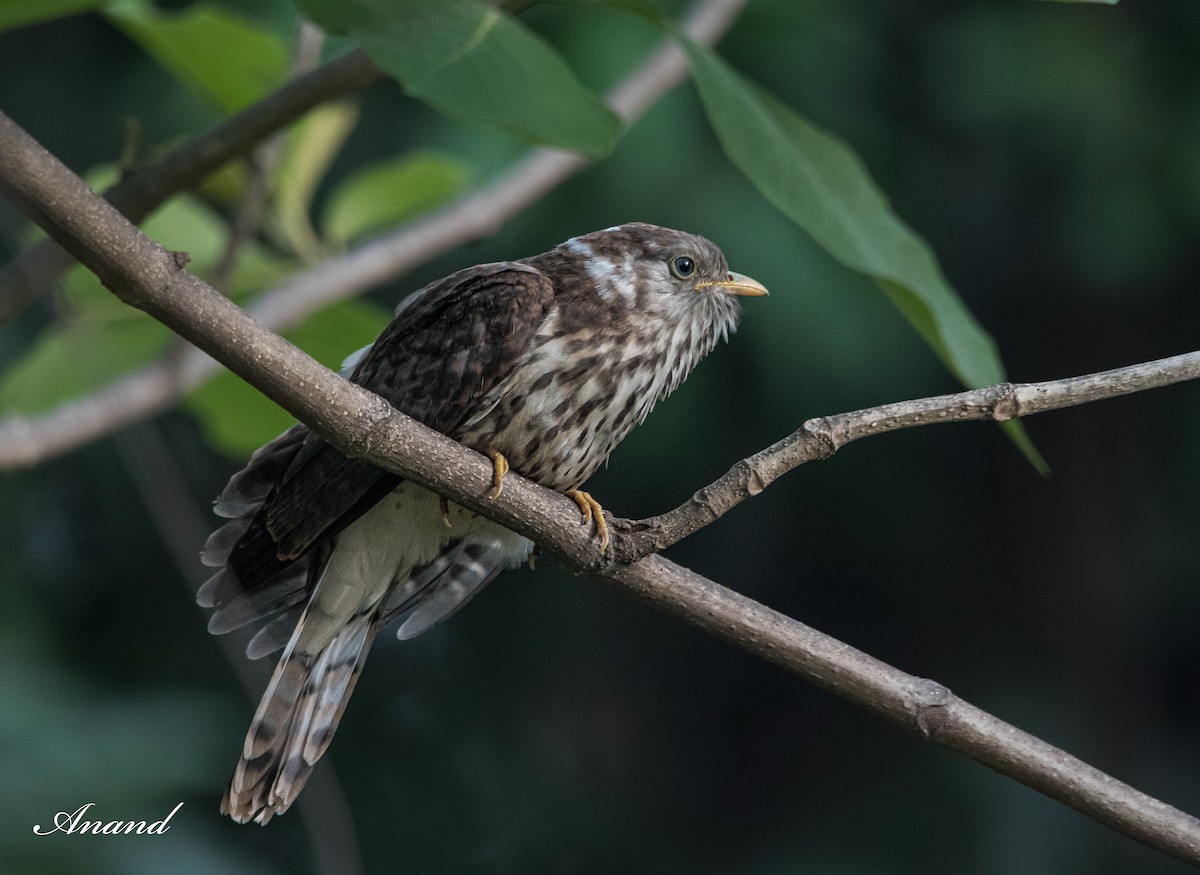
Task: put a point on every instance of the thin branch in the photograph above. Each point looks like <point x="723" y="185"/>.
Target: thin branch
<point x="26" y="441"/>
<point x="262" y="165"/>
<point x="24" y="279"/>
<point x="247" y="218"/>
<point x="363" y="425"/>
<point x="820" y="438"/>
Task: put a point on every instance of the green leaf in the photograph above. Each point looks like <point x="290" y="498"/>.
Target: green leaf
<point x="185" y="224"/>
<point x="471" y="61"/>
<point x="16" y="13"/>
<point x="116" y="337"/>
<point x="237" y="419"/>
<point x="391" y="192"/>
<point x="312" y="146"/>
<point x="229" y="59"/>
<point x="103" y="340"/>
<point x="819" y="183"/>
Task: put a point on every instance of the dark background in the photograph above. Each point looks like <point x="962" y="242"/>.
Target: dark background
<point x="1049" y="152"/>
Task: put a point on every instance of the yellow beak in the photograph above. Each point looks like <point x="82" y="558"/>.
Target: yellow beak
<point x="736" y="284"/>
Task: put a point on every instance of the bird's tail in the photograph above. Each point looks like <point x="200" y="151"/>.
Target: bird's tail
<point x="296" y="719"/>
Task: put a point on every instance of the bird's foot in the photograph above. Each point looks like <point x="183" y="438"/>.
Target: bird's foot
<point x="592" y="512"/>
<point x="499" y="470"/>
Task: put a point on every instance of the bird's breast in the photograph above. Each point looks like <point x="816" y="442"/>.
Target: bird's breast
<point x="562" y="412"/>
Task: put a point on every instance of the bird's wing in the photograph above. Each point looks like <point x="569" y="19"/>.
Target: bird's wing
<point x="448" y="346"/>
<point x="430" y="594"/>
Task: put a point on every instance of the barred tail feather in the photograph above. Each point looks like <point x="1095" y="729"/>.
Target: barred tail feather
<point x="323" y="609"/>
<point x="440" y="589"/>
<point x="296" y="719"/>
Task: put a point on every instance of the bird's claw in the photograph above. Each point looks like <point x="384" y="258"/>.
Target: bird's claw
<point x="499" y="470"/>
<point x="592" y="512"/>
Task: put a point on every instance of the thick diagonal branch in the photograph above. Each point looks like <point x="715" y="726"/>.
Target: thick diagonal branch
<point x="363" y="425"/>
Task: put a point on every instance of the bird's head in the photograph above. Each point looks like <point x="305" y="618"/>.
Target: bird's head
<point x="662" y="272"/>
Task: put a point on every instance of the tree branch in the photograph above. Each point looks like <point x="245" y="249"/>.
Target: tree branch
<point x="363" y="425"/>
<point x="29" y="440"/>
<point x="27" y="276"/>
<point x="820" y="438"/>
<point x="262" y="164"/>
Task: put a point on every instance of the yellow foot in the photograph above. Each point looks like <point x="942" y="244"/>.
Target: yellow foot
<point x="444" y="506"/>
<point x="499" y="469"/>
<point x="592" y="512"/>
<point x="533" y="555"/>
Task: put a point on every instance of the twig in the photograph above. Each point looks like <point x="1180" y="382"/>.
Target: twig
<point x="27" y="441"/>
<point x="363" y="425"/>
<point x="263" y="164"/>
<point x="820" y="438"/>
<point x="27" y="276"/>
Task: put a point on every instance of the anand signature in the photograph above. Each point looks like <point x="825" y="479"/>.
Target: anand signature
<point x="73" y="823"/>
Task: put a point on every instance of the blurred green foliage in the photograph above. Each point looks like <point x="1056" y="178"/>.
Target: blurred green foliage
<point x="1050" y="155"/>
<point x="233" y="414"/>
<point x="473" y="62"/>
<point x="387" y="193"/>
<point x="228" y="59"/>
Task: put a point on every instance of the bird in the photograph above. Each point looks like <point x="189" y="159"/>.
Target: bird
<point x="544" y="364"/>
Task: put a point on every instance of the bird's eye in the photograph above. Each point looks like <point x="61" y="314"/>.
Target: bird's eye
<point x="682" y="267"/>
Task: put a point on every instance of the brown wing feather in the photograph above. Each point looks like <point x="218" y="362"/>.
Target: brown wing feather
<point x="447" y="347"/>
<point x="462" y="337"/>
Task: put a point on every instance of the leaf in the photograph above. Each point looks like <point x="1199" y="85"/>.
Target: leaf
<point x="312" y="146"/>
<point x="116" y="338"/>
<point x="391" y="192"/>
<point x="1106" y="2"/>
<point x="819" y="183"/>
<point x="237" y="419"/>
<point x="186" y="224"/>
<point x="229" y="59"/>
<point x="16" y="13"/>
<point x="474" y="62"/>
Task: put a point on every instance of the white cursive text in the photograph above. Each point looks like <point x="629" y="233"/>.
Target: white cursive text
<point x="73" y="822"/>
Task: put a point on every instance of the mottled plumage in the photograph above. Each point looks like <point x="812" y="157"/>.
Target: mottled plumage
<point x="549" y="361"/>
